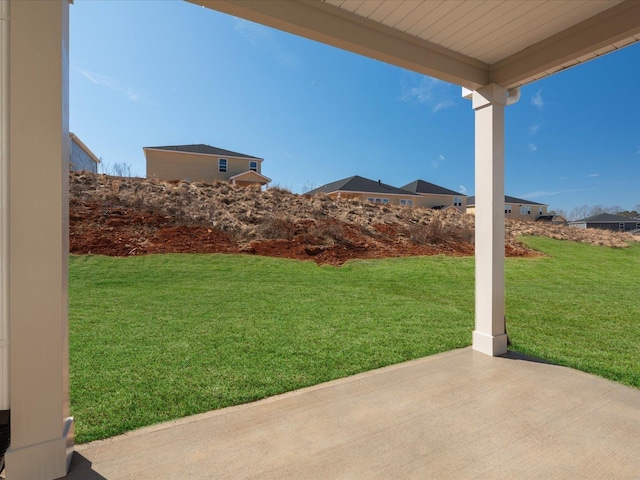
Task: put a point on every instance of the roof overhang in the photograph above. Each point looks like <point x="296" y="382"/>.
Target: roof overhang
<point x="86" y="149"/>
<point x="250" y="176"/>
<point x="471" y="44"/>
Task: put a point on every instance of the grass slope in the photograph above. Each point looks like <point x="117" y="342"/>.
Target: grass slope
<point x="159" y="337"/>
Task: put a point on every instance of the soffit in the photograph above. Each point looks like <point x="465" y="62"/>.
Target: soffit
<point x="470" y="43"/>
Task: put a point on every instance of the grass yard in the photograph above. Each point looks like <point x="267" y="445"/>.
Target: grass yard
<point x="159" y="337"/>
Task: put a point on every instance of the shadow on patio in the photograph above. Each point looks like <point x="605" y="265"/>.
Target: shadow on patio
<point x="459" y="414"/>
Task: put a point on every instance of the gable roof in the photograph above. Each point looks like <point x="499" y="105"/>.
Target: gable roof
<point x="250" y="176"/>
<point x="203" y="149"/>
<point x="86" y="149"/>
<point x="607" y="218"/>
<point x="420" y="186"/>
<point x="471" y="201"/>
<point x="361" y="185"/>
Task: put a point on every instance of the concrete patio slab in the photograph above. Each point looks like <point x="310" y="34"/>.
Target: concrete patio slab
<point x="459" y="414"/>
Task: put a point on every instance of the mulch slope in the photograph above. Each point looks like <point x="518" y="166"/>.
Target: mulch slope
<point x="130" y="216"/>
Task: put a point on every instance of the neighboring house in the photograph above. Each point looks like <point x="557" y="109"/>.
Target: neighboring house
<point x="607" y="221"/>
<point x="367" y="191"/>
<point x="555" y="219"/>
<point x="517" y="208"/>
<point x="203" y="163"/>
<point x="80" y="157"/>
<point x="435" y="196"/>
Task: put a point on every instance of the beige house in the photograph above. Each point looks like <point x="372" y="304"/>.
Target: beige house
<point x="517" y="208"/>
<point x="203" y="163"/>
<point x="368" y="191"/>
<point x="435" y="196"/>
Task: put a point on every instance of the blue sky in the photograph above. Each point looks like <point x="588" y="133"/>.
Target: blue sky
<point x="148" y="73"/>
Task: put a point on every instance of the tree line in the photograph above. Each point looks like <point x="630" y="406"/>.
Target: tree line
<point x="584" y="211"/>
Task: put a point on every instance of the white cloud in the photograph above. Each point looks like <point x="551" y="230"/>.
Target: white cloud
<point x="264" y="39"/>
<point x="594" y="174"/>
<point x="532" y="147"/>
<point x="537" y="100"/>
<point x="462" y="189"/>
<point x="431" y="92"/>
<point x="436" y="162"/>
<point x="109" y="82"/>
<point x="442" y="106"/>
<point x="545" y="193"/>
<point x="533" y="129"/>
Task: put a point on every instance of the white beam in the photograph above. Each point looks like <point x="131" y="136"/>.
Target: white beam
<point x="611" y="26"/>
<point x="489" y="335"/>
<point x="334" y="26"/>
<point x="41" y="432"/>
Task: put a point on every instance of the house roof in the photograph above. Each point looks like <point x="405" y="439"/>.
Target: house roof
<point x="250" y="176"/>
<point x="86" y="149"/>
<point x="203" y="149"/>
<point x="471" y="201"/>
<point x="471" y="44"/>
<point x="420" y="186"/>
<point x="361" y="185"/>
<point x="607" y="218"/>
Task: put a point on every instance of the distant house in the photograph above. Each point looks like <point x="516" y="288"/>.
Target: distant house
<point x="517" y="208"/>
<point x="368" y="191"/>
<point x="607" y="221"/>
<point x="81" y="157"/>
<point x="435" y="196"/>
<point x="203" y="163"/>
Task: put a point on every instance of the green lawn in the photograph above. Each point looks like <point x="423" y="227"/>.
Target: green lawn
<point x="159" y="337"/>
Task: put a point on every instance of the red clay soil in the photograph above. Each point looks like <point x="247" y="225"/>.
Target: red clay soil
<point x="124" y="217"/>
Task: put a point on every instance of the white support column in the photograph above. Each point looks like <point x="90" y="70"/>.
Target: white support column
<point x="41" y="430"/>
<point x="489" y="335"/>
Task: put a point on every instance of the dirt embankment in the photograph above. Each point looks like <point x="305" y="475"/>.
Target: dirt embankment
<point x="131" y="216"/>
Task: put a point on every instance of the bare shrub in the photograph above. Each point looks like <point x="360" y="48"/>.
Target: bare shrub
<point x="278" y="228"/>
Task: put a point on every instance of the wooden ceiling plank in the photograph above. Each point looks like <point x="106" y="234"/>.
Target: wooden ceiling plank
<point x="547" y="23"/>
<point x="595" y="34"/>
<point x="466" y="18"/>
<point x="425" y="10"/>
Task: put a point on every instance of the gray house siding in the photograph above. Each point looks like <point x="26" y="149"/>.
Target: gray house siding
<point x="80" y="160"/>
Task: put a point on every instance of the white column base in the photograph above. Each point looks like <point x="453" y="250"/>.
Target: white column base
<point x="53" y="457"/>
<point x="493" y="345"/>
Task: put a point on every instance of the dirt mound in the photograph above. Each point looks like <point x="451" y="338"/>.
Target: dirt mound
<point x="131" y="216"/>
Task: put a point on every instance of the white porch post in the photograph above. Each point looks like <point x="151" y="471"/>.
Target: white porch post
<point x="489" y="335"/>
<point x="37" y="237"/>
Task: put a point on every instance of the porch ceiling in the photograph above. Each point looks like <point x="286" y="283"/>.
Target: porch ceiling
<point x="472" y="44"/>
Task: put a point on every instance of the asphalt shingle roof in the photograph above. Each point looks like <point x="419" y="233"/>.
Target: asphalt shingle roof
<point x="203" y="149"/>
<point x="607" y="217"/>
<point x="360" y="184"/>
<point x="420" y="186"/>
<point x="471" y="201"/>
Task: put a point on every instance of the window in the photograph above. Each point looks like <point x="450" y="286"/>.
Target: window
<point x="507" y="209"/>
<point x="385" y="200"/>
<point x="253" y="166"/>
<point x="637" y="225"/>
<point x="540" y="211"/>
<point x="525" y="210"/>
<point x="222" y="165"/>
<point x="457" y="202"/>
<point x="370" y="199"/>
<point x="378" y="200"/>
<point x="407" y="203"/>
<point x="621" y="226"/>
